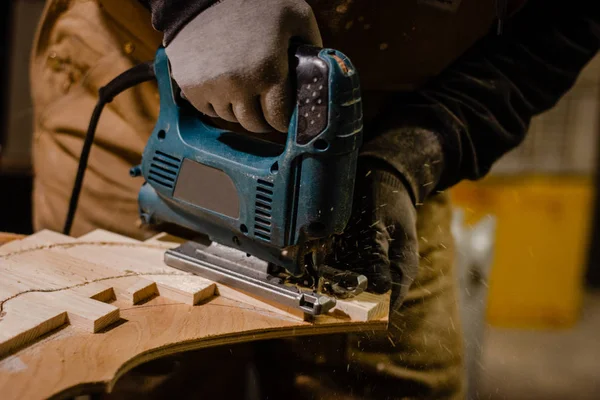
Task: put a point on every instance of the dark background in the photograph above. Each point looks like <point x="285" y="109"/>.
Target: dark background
<point x="15" y="184"/>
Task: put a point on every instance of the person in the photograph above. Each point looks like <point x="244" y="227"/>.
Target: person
<point x="448" y="88"/>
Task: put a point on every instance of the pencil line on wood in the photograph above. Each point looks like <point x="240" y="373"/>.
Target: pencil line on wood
<point x="3" y="301"/>
<point x="74" y="244"/>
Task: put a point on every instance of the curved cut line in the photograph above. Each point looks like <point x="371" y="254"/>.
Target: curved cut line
<point x="74" y="244"/>
<point x="3" y="301"/>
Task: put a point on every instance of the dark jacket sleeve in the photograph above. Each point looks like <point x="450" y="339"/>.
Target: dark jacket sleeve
<point x="169" y="16"/>
<point x="462" y="122"/>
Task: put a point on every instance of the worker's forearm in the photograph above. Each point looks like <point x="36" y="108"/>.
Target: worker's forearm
<point x="481" y="107"/>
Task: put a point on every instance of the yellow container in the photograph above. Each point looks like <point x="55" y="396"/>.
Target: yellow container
<point x="541" y="246"/>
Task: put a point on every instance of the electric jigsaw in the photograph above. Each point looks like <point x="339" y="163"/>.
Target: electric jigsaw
<point x="262" y="214"/>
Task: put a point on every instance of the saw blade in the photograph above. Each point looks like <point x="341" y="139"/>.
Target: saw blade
<point x="236" y="269"/>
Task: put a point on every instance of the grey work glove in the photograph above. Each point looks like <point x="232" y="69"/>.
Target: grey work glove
<point x="232" y="61"/>
<point x="380" y="240"/>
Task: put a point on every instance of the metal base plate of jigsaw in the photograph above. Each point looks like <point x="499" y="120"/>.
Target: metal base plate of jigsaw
<point x="239" y="270"/>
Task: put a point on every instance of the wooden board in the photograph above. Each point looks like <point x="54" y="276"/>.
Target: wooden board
<point x="80" y="312"/>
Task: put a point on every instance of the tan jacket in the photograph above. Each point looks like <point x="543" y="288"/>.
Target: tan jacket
<point x="78" y="48"/>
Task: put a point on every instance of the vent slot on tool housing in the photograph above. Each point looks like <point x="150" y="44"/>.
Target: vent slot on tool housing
<point x="164" y="169"/>
<point x="263" y="210"/>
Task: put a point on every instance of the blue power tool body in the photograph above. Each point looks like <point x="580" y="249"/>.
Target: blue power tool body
<point x="269" y="210"/>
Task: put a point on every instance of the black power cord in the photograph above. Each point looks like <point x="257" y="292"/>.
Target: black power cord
<point x="134" y="76"/>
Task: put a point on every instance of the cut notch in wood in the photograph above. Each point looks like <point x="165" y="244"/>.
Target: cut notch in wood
<point x="142" y="290"/>
<point x="364" y="307"/>
<point x="188" y="289"/>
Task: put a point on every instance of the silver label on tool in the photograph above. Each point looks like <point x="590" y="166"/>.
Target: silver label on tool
<point x="208" y="188"/>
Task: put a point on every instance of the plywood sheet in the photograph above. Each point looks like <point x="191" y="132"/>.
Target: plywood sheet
<point x="79" y="311"/>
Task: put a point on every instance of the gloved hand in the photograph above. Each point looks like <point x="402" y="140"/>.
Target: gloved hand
<point x="380" y="240"/>
<point x="399" y="165"/>
<point x="232" y="62"/>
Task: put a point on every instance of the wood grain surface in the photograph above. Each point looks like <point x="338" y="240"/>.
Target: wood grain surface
<point x="76" y="313"/>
